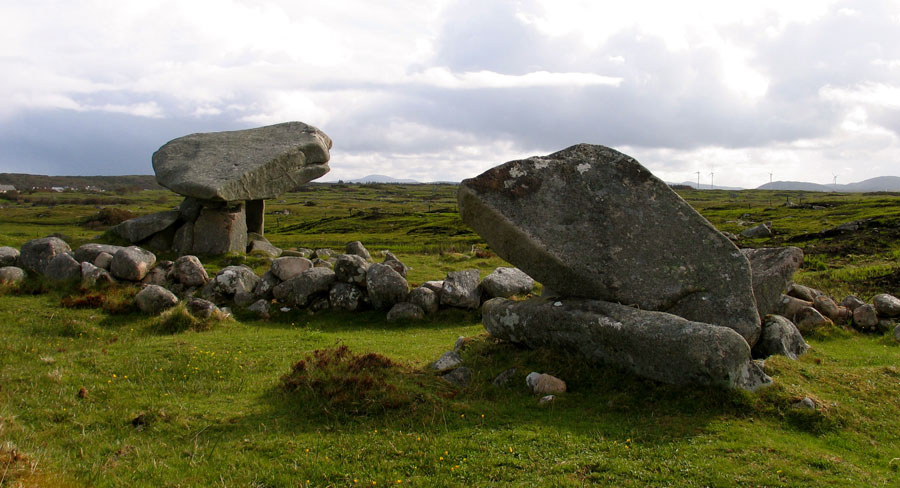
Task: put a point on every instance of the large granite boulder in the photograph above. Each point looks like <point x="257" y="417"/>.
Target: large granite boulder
<point x="656" y="345"/>
<point x="250" y="164"/>
<point x="773" y="271"/>
<point x="36" y="254"/>
<point x="139" y="228"/>
<point x="587" y="222"/>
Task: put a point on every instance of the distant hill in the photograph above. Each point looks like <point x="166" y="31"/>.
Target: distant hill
<point x="26" y="182"/>
<point x="380" y="179"/>
<point x="880" y="183"/>
<point x="703" y="186"/>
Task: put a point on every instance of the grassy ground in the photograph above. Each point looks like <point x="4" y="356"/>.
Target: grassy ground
<point x="103" y="398"/>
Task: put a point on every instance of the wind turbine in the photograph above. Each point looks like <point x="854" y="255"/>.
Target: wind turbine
<point x="711" y="185"/>
<point x="835" y="179"/>
<point x="698" y="180"/>
<point x="770" y="178"/>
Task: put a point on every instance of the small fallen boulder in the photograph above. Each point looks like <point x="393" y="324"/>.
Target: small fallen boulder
<point x="132" y="263"/>
<point x="779" y="336"/>
<point x="545" y="384"/>
<point x="260" y="308"/>
<point x="758" y="231"/>
<point x="103" y="260"/>
<point x="395" y="263"/>
<point x="11" y="274"/>
<point x="449" y="360"/>
<point x="789" y="306"/>
<point x="154" y="300"/>
<point x="506" y="282"/>
<point x="140" y="228"/>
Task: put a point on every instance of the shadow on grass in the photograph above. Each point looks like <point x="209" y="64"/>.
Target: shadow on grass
<point x="374" y="320"/>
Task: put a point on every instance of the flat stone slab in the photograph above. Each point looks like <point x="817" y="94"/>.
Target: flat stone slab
<point x="655" y="345"/>
<point x="252" y="164"/>
<point x="591" y="222"/>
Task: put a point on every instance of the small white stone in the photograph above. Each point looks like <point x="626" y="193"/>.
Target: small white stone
<point x="285" y="309"/>
<point x="557" y="304"/>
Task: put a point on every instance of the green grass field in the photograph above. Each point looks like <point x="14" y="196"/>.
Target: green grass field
<point x="104" y="398"/>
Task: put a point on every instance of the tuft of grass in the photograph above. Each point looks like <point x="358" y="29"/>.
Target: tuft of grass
<point x="115" y="300"/>
<point x="179" y="319"/>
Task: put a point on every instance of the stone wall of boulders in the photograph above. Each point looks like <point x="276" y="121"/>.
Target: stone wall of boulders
<point x="308" y="279"/>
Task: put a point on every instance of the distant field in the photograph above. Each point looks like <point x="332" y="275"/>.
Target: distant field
<point x="206" y="408"/>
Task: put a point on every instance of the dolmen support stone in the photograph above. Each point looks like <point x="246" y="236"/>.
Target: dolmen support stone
<point x="656" y="345"/>
<point x="591" y="222"/>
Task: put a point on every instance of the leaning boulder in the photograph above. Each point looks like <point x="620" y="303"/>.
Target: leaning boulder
<point x="656" y="345"/>
<point x="189" y="271"/>
<point x="36" y="254"/>
<point x="252" y="164"/>
<point x="772" y="271"/>
<point x="155" y="299"/>
<point x="779" y="336"/>
<point x="506" y="282"/>
<point x="140" y="228"/>
<point x="586" y="222"/>
<point x="132" y="263"/>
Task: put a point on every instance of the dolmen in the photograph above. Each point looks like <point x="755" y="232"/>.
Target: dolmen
<point x="633" y="275"/>
<point x="225" y="178"/>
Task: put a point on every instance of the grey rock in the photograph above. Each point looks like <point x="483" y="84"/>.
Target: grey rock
<point x="865" y="318"/>
<point x="11" y="274"/>
<point x="233" y="279"/>
<point x="395" y="263"/>
<point x="250" y="164"/>
<point x="183" y="242"/>
<point x="449" y="360"/>
<point x="319" y="303"/>
<point x="779" y="336"/>
<point x="385" y="286"/>
<point x="260" y="308"/>
<point x="158" y="275"/>
<point x="132" y="263"/>
<point x="92" y="276"/>
<point x="347" y="297"/>
<point x="244" y="298"/>
<point x="201" y="308"/>
<point x="189" y="271"/>
<point x="351" y="268"/>
<point x="803" y="292"/>
<point x="140" y="228"/>
<point x="153" y="300"/>
<point x="460" y="376"/>
<point x="460" y="344"/>
<point x="425" y="298"/>
<point x="323" y="253"/>
<point x="789" y="306"/>
<point x="434" y="285"/>
<point x="8" y="256"/>
<point x="220" y="230"/>
<point x="306" y="286"/>
<point x="826" y="305"/>
<point x="772" y="271"/>
<point x="896" y="329"/>
<point x="852" y="302"/>
<point x="758" y="231"/>
<point x="322" y="263"/>
<point x="287" y="267"/>
<point x="161" y="241"/>
<point x="809" y="319"/>
<point x="357" y="248"/>
<point x="656" y="345"/>
<point x="885" y="325"/>
<point x="886" y="305"/>
<point x="405" y="311"/>
<point x="506" y="282"/>
<point x="587" y="221"/>
<point x="503" y="378"/>
<point x="36" y="254"/>
<point x="266" y="284"/>
<point x="461" y="289"/>
<point x="103" y="260"/>
<point x="63" y="267"/>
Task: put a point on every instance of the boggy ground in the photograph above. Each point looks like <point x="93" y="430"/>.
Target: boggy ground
<point x="94" y="397"/>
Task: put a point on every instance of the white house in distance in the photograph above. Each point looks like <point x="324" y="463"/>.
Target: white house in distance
<point x="6" y="188"/>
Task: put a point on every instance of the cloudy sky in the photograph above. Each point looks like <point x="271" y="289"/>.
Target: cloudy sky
<point x="444" y="89"/>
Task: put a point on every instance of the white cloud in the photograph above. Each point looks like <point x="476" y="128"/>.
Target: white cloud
<point x="444" y="78"/>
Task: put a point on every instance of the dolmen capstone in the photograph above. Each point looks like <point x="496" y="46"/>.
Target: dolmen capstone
<point x="634" y="268"/>
<point x="226" y="178"/>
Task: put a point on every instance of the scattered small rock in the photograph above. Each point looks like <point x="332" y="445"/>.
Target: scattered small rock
<point x="447" y="361"/>
<point x="758" y="231"/>
<point x="779" y="336"/>
<point x="803" y="292"/>
<point x="806" y="403"/>
<point x="826" y="305"/>
<point x="63" y="267"/>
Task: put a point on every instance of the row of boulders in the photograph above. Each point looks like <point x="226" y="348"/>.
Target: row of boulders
<point x="811" y="309"/>
<point x="321" y="280"/>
